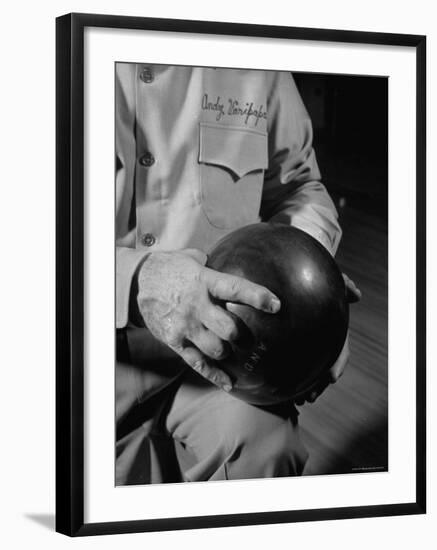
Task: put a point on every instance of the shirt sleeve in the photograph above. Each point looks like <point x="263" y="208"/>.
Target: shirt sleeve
<point x="128" y="258"/>
<point x="293" y="193"/>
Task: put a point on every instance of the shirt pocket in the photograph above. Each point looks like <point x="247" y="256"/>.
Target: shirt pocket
<point x="232" y="162"/>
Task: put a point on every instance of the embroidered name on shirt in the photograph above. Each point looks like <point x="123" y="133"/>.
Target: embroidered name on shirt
<point x="234" y="108"/>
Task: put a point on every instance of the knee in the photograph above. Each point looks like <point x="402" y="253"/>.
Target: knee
<point x="262" y="442"/>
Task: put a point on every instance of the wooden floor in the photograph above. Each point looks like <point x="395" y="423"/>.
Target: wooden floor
<point x="346" y="428"/>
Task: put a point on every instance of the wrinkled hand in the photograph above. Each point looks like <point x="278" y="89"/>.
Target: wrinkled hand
<point x="176" y="298"/>
<point x="336" y="371"/>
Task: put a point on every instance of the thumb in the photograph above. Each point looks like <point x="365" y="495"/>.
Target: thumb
<point x="352" y="291"/>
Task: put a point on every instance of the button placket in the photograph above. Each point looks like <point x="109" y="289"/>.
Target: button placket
<point x="146" y="159"/>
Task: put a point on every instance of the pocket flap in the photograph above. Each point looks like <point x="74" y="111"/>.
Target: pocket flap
<point x="238" y="149"/>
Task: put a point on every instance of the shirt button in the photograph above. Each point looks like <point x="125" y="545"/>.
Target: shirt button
<point x="146" y="75"/>
<point x="148" y="239"/>
<point x="147" y="159"/>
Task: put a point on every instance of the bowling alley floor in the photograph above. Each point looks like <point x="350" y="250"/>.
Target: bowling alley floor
<point x="346" y="430"/>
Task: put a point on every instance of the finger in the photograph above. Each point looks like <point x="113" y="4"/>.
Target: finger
<point x="311" y="395"/>
<point x="236" y="289"/>
<point x="315" y="394"/>
<point x="197" y="362"/>
<point x="227" y="326"/>
<point x="353" y="293"/>
<point x="336" y="371"/>
<point x="319" y="389"/>
<point x="209" y="343"/>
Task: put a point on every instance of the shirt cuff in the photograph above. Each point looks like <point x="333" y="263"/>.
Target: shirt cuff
<point x="127" y="262"/>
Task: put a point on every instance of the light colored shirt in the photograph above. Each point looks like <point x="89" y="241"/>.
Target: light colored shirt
<point x="203" y="151"/>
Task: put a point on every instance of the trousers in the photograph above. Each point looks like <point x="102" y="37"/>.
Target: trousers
<point x="173" y="425"/>
<point x="226" y="438"/>
<point x="193" y="431"/>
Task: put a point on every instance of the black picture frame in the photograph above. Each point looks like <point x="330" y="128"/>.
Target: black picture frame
<point x="70" y="273"/>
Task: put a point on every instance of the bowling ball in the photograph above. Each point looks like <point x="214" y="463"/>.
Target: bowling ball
<point x="294" y="347"/>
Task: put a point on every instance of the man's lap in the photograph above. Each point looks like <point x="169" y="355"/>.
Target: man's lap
<point x="217" y="435"/>
<point x="219" y="430"/>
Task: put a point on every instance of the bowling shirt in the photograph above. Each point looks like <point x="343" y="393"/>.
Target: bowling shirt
<point x="203" y="151"/>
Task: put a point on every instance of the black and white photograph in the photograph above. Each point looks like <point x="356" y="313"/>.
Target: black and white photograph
<point x="216" y="266"/>
<point x="240" y="274"/>
<point x="251" y="237"/>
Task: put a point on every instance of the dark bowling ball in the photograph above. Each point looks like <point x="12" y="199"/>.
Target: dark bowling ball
<point x="295" y="346"/>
